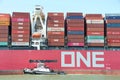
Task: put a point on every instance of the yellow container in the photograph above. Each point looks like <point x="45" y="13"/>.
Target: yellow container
<point x="4" y="23"/>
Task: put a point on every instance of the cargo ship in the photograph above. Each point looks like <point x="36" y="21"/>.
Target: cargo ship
<point x="80" y="43"/>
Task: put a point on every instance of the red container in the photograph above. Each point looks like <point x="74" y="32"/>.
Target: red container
<point x="114" y="44"/>
<point x="20" y="39"/>
<point x="95" y="44"/>
<point x="95" y="25"/>
<point x="55" y="40"/>
<point x="60" y="36"/>
<point x="3" y="35"/>
<point x="21" y="14"/>
<point x="77" y="25"/>
<point x="95" y="33"/>
<point x="95" y="29"/>
<point x="55" y="18"/>
<point x="20" y="24"/>
<point x="76" y="40"/>
<point x="75" y="36"/>
<point x="113" y="37"/>
<point x="74" y="14"/>
<point x="4" y="15"/>
<point x="55" y="25"/>
<point x="3" y="27"/>
<point x="75" y="28"/>
<point x="49" y="33"/>
<point x="20" y="35"/>
<point x="75" y="44"/>
<point x="4" y="31"/>
<point x="15" y="19"/>
<point x="21" y="27"/>
<point x="113" y="21"/>
<point x="93" y="16"/>
<point x="113" y="29"/>
<point x="20" y="32"/>
<point x="113" y="32"/>
<point x="56" y="44"/>
<point x="55" y="14"/>
<point x="3" y="39"/>
<point x="75" y="21"/>
<point x="55" y="21"/>
<point x="113" y="40"/>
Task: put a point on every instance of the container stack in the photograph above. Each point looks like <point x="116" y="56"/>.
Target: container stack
<point x="75" y="29"/>
<point x="4" y="29"/>
<point x="55" y="29"/>
<point x="113" y="30"/>
<point x="95" y="30"/>
<point x="20" y="29"/>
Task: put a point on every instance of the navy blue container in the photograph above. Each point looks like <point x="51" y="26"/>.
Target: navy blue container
<point x="75" y="32"/>
<point x="113" y="25"/>
<point x="112" y="17"/>
<point x="74" y="17"/>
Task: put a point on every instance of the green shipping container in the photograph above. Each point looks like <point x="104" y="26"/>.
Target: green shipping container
<point x="95" y="37"/>
<point x="3" y="43"/>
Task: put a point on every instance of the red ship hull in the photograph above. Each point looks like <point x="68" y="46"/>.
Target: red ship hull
<point x="72" y="61"/>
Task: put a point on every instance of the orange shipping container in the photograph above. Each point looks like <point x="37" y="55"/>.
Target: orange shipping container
<point x="55" y="40"/>
<point x="4" y="17"/>
<point x="4" y="23"/>
<point x="56" y="44"/>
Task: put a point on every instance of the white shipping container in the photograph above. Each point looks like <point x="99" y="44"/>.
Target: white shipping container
<point x="20" y="44"/>
<point x="55" y="29"/>
<point x="95" y="41"/>
<point x="95" y="21"/>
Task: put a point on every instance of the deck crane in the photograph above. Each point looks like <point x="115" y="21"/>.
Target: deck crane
<point x="38" y="28"/>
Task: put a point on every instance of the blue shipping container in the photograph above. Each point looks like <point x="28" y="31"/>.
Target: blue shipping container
<point x="75" y="32"/>
<point x="74" y="17"/>
<point x="112" y="17"/>
<point x="113" y="25"/>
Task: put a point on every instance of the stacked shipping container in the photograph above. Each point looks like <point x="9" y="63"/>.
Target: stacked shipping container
<point x="113" y="30"/>
<point x="75" y="29"/>
<point x="55" y="29"/>
<point x="95" y="29"/>
<point x="4" y="29"/>
<point x="20" y="29"/>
